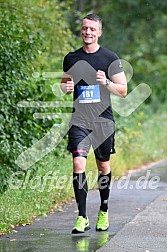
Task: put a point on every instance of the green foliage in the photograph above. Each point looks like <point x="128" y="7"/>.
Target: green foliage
<point x="49" y="18"/>
<point x="139" y="36"/>
<point x="18" y="47"/>
<point x="142" y="139"/>
<point x="33" y="37"/>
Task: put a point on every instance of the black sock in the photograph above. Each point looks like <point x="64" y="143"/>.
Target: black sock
<point x="80" y="190"/>
<point x="104" y="189"/>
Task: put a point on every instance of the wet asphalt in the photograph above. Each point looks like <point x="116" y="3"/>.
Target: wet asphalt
<point x="135" y="199"/>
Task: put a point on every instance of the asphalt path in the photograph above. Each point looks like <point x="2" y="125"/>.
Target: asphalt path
<point x="147" y="231"/>
<point x="137" y="215"/>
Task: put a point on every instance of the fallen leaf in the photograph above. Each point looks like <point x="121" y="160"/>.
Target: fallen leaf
<point x="26" y="223"/>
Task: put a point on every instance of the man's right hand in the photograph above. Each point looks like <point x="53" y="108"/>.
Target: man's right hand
<point x="67" y="84"/>
<point x="69" y="87"/>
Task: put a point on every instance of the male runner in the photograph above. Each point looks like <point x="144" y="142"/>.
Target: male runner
<point x="95" y="73"/>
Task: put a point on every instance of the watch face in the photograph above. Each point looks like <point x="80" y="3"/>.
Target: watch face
<point x="107" y="82"/>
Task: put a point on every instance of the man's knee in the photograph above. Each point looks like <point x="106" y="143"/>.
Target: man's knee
<point x="79" y="164"/>
<point x="103" y="167"/>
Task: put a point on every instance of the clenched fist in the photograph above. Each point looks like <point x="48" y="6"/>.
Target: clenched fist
<point x="69" y="87"/>
<point x="101" y="77"/>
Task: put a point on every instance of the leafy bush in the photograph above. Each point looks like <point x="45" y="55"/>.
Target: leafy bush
<point x="31" y="40"/>
<point x="18" y="48"/>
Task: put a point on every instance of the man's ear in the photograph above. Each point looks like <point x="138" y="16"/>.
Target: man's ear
<point x="100" y="33"/>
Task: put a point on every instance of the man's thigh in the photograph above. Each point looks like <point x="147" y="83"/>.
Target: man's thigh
<point x="103" y="140"/>
<point x="78" y="141"/>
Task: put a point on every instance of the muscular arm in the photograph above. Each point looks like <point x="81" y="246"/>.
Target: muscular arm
<point x="117" y="86"/>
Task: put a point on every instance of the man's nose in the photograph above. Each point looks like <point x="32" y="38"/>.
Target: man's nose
<point x="87" y="30"/>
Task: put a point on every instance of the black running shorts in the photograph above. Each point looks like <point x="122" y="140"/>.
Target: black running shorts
<point x="99" y="135"/>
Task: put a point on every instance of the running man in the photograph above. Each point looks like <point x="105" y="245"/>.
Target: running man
<point x="94" y="72"/>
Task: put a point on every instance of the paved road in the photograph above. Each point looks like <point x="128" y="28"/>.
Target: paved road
<point x="147" y="231"/>
<point x="138" y="221"/>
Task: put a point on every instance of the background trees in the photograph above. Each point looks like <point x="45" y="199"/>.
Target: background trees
<point x="137" y="31"/>
<point x="34" y="36"/>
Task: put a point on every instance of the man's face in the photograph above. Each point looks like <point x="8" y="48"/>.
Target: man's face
<point x="90" y="31"/>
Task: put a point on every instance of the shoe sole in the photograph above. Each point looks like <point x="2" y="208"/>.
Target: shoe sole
<point x="75" y="231"/>
<point x="100" y="229"/>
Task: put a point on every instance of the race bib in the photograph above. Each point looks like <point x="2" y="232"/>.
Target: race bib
<point x="89" y="94"/>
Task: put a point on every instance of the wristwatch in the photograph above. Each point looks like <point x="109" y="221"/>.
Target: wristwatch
<point x="108" y="82"/>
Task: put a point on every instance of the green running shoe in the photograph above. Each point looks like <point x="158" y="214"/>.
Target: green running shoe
<point x="81" y="225"/>
<point x="102" y="221"/>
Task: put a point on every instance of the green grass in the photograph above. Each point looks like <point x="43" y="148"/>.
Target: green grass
<point x="140" y="144"/>
<point x="35" y="194"/>
<point x="138" y="141"/>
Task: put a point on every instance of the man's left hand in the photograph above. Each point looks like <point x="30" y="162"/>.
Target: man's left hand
<point x="101" y="77"/>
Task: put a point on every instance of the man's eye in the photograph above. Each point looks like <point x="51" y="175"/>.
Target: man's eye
<point x="84" y="28"/>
